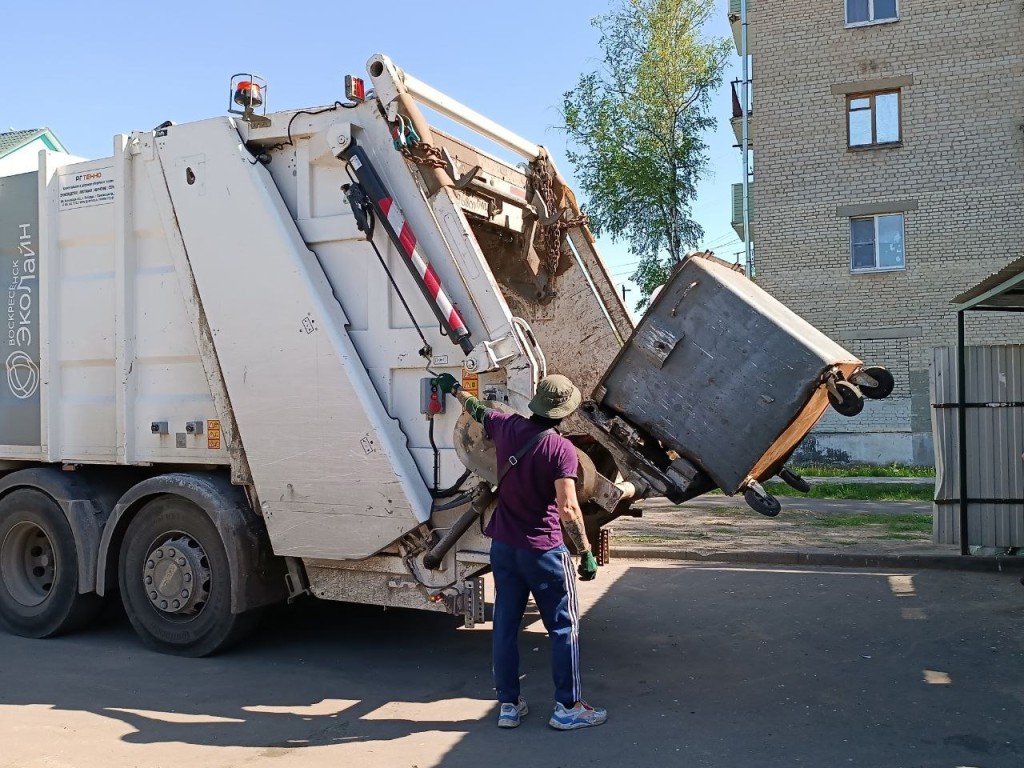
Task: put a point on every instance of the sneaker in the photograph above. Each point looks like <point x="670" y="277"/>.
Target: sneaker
<point x="510" y="714"/>
<point x="581" y="716"/>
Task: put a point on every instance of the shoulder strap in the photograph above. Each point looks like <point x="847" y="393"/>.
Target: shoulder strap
<point x="515" y="458"/>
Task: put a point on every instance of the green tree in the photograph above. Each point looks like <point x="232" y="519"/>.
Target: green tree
<point x="636" y="128"/>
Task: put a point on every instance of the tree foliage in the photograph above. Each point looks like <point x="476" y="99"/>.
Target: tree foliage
<point x="636" y="127"/>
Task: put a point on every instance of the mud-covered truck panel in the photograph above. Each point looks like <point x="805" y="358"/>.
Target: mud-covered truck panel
<point x="568" y="299"/>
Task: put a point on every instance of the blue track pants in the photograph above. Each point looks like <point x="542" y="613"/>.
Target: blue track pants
<point x="551" y="579"/>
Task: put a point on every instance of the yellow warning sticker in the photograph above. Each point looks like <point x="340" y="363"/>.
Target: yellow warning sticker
<point x="213" y="434"/>
<point x="471" y="383"/>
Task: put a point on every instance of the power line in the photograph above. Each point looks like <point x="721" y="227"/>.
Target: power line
<point x="720" y="235"/>
<point x="722" y="241"/>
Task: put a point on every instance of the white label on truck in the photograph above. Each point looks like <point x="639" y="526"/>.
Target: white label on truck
<point x="79" y="189"/>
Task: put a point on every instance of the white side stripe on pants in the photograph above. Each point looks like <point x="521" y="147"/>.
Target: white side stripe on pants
<point x="574" y="614"/>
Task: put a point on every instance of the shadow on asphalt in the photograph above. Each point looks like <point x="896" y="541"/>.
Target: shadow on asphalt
<point x="697" y="664"/>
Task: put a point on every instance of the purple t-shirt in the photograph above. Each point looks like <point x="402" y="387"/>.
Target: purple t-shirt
<point x="527" y="514"/>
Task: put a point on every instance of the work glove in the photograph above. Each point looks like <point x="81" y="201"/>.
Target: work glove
<point x="588" y="567"/>
<point x="447" y="383"/>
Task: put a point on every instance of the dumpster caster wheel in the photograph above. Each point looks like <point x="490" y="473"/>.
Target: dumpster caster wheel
<point x="883" y="385"/>
<point x="794" y="481"/>
<point x="846" y="399"/>
<point x="763" y="502"/>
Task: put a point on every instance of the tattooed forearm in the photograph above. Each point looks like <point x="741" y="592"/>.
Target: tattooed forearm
<point x="570" y="514"/>
<point x="573" y="524"/>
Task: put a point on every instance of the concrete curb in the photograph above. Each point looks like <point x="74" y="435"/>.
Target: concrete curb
<point x="834" y="559"/>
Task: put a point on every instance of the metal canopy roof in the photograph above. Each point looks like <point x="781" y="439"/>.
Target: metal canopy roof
<point x="1002" y="291"/>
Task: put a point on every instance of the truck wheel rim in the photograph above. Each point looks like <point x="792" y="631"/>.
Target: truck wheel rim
<point x="176" y="576"/>
<point x="28" y="564"/>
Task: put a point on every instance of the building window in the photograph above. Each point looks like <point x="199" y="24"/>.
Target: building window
<point x="871" y="11"/>
<point x="873" y="119"/>
<point x="876" y="243"/>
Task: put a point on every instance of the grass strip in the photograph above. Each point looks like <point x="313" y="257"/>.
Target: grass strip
<point x="897" y="526"/>
<point x="863" y="470"/>
<point x="858" y="491"/>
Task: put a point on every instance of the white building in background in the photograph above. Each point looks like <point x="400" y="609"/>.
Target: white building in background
<point x="19" y="150"/>
<point x="888" y="177"/>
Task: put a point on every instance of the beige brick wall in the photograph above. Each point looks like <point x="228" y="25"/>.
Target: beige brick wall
<point x="961" y="160"/>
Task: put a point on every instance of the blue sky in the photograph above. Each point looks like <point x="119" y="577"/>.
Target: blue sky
<point x="90" y="70"/>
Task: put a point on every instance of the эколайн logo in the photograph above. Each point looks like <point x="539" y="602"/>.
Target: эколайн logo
<point x="22" y="375"/>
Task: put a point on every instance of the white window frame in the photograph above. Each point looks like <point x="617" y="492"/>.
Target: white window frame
<point x="903" y="236"/>
<point x="871" y="12"/>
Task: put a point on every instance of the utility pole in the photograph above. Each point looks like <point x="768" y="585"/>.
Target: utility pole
<point x="624" y="291"/>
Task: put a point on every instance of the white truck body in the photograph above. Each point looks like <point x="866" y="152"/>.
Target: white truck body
<point x="203" y="301"/>
<point x="329" y="397"/>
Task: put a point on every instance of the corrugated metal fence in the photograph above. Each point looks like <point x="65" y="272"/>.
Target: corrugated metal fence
<point x="995" y="442"/>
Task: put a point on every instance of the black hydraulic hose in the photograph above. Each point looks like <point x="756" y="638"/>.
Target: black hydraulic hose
<point x="437" y="455"/>
<point x="454" y="488"/>
<point x="463" y="499"/>
<point x="483" y="498"/>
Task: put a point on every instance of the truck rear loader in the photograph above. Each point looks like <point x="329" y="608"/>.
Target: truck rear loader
<point x="221" y="349"/>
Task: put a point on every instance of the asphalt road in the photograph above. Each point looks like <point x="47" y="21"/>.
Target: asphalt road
<point x="699" y="665"/>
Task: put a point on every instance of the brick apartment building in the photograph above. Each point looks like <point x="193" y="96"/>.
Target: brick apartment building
<point x="887" y="146"/>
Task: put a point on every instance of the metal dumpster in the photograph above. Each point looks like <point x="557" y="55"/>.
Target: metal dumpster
<point x="723" y="381"/>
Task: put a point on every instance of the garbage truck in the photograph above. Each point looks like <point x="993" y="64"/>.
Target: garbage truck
<point x="223" y="341"/>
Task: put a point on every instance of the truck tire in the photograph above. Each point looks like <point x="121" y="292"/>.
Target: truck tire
<point x="175" y="580"/>
<point x="39" y="594"/>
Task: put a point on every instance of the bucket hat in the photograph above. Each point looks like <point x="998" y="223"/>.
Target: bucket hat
<point x="556" y="397"/>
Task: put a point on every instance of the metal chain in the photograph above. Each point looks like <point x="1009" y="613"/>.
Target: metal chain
<point x="422" y="153"/>
<point x="552" y="235"/>
<point x="408" y="142"/>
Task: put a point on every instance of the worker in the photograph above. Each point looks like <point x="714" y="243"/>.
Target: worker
<point x="536" y="497"/>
